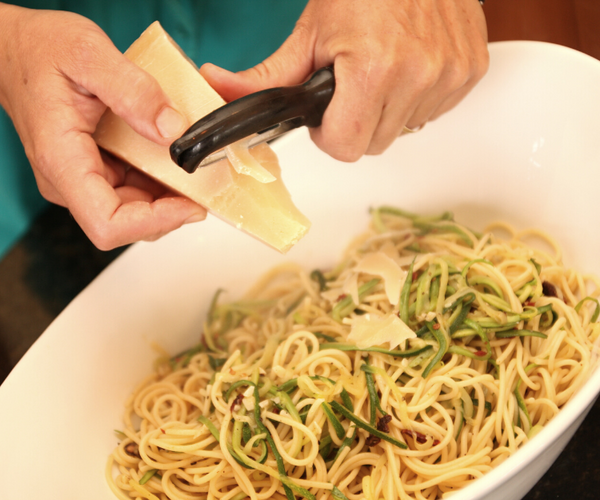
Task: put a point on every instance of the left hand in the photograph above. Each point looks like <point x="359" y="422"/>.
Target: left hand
<point x="397" y="63"/>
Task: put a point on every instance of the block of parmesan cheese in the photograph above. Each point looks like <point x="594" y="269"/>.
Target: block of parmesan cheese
<point x="263" y="210"/>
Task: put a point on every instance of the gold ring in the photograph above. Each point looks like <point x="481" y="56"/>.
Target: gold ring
<point x="406" y="130"/>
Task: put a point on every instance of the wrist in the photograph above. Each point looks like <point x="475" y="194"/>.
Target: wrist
<point x="9" y="15"/>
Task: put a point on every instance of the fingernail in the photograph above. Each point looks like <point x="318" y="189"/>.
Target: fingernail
<point x="170" y="123"/>
<point x="197" y="217"/>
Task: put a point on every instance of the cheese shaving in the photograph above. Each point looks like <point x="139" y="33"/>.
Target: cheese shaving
<point x="240" y="157"/>
<point x="370" y="330"/>
<point x="380" y="264"/>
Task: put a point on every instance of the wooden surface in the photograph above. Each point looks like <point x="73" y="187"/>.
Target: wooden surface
<point x="573" y="23"/>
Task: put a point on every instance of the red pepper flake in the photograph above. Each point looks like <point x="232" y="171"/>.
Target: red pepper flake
<point x="415" y="275"/>
<point x="372" y="441"/>
<point x="132" y="450"/>
<point x="436" y="326"/>
<point x="237" y="402"/>
<point x="548" y="289"/>
<point x="418" y="436"/>
<point x="382" y="423"/>
<point x="480" y="353"/>
<point x="162" y="430"/>
<point x="342" y="296"/>
<point x="530" y="303"/>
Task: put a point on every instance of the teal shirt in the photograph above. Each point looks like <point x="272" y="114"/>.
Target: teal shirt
<point x="234" y="34"/>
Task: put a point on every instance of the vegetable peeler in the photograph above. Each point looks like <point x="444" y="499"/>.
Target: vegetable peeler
<point x="268" y="113"/>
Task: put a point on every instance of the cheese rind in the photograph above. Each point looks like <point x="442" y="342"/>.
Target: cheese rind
<point x="264" y="211"/>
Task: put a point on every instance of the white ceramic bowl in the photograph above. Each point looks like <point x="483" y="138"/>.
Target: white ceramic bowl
<point x="522" y="147"/>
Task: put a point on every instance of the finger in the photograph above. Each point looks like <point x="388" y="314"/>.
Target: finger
<point x="135" y="178"/>
<point x="129" y="194"/>
<point x="291" y="64"/>
<point x="131" y="93"/>
<point x="112" y="217"/>
<point x="352" y="115"/>
<point x="47" y="190"/>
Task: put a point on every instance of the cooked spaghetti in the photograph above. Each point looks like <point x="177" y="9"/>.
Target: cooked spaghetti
<point x="419" y="363"/>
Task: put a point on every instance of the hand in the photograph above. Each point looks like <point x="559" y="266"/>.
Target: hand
<point x="396" y="63"/>
<point x="59" y="73"/>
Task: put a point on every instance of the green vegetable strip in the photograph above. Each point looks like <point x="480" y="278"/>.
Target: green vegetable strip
<point x="289" y="405"/>
<point x="378" y="223"/>
<point x="520" y="401"/>
<point x="419" y="219"/>
<point x="318" y="276"/>
<point x="460" y="413"/>
<point x="321" y="335"/>
<point x="405" y="294"/>
<point x="323" y="379"/>
<point x="345" y="443"/>
<point x="423" y="287"/>
<point x="496" y="302"/>
<point x="337" y="494"/>
<point x="520" y="333"/>
<point x="429" y="228"/>
<point x="422" y="332"/>
<point x="487" y="405"/>
<point x="238" y="432"/>
<point x="216" y="363"/>
<point x="280" y="465"/>
<point x="442" y="348"/>
<point x="183" y="358"/>
<point x="486" y="282"/>
<point x="396" y="353"/>
<point x="325" y="446"/>
<point x="468" y="265"/>
<point x="346" y="400"/>
<point x="433" y="293"/>
<point x="365" y="426"/>
<point x="513" y="319"/>
<point x="336" y="424"/>
<point x="596" y="311"/>
<point x="235" y="385"/>
<point x="238" y="454"/>
<point x="476" y="329"/>
<point x="210" y="426"/>
<point x="146" y="477"/>
<point x="465" y="302"/>
<point x="246" y="433"/>
<point x="375" y="404"/>
<point x="345" y="306"/>
<point x="289" y="386"/>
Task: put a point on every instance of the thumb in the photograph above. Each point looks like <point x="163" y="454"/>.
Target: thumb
<point x="291" y="64"/>
<point x="129" y="91"/>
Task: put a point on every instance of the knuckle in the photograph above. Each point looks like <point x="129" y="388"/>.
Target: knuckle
<point x="429" y="71"/>
<point x="459" y="72"/>
<point x="344" y="151"/>
<point x="263" y="72"/>
<point x="140" y="89"/>
<point x="83" y="51"/>
<point x="101" y="236"/>
<point x="302" y="28"/>
<point x="482" y="62"/>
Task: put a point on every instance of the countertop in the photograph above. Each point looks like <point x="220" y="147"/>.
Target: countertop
<point x="54" y="261"/>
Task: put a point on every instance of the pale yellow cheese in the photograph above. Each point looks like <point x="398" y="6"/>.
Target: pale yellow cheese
<point x="264" y="211"/>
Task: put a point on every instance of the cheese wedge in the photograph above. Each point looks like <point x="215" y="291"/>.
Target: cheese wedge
<point x="263" y="210"/>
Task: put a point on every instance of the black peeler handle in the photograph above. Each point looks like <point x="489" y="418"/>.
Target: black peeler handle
<point x="301" y="104"/>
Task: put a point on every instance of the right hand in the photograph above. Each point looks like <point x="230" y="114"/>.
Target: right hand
<point x="60" y="72"/>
